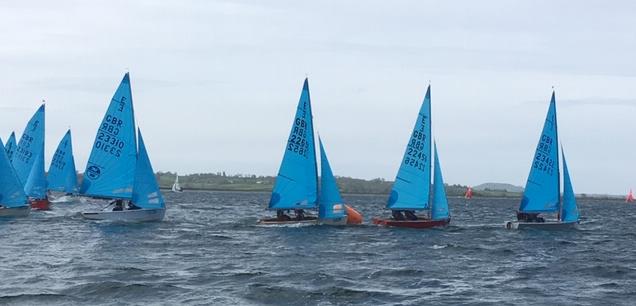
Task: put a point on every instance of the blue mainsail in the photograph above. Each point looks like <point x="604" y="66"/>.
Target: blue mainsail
<point x="412" y="183"/>
<point x="35" y="186"/>
<point x="146" y="192"/>
<point x="330" y="204"/>
<point x="62" y="175"/>
<point x="542" y="189"/>
<point x="570" y="211"/>
<point x="11" y="190"/>
<point x="297" y="182"/>
<point x="439" y="209"/>
<point x="110" y="170"/>
<point x="29" y="146"/>
<point x="10" y="146"/>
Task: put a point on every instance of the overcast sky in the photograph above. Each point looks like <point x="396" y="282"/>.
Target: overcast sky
<point x="215" y="83"/>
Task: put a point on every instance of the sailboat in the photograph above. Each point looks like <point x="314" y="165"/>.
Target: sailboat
<point x="542" y="193"/>
<point x="296" y="186"/>
<point x="13" y="200"/>
<point x="117" y="170"/>
<point x="10" y="146"/>
<point x="28" y="161"/>
<point x="411" y="189"/>
<point x="630" y="197"/>
<point x="62" y="176"/>
<point x="176" y="187"/>
<point x="469" y="193"/>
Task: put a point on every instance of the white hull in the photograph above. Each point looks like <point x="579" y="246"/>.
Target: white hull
<point x="137" y="215"/>
<point x="15" y="211"/>
<point x="548" y="225"/>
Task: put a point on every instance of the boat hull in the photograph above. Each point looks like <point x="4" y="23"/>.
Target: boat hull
<point x="420" y="223"/>
<point x="137" y="215"/>
<point x="548" y="225"/>
<point x="15" y="211"/>
<point x="40" y="204"/>
<point x="276" y="221"/>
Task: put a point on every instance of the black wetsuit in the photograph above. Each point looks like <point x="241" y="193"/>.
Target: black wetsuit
<point x="410" y="215"/>
<point x="397" y="215"/>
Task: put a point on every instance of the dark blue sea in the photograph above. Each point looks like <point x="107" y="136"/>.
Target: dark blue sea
<point x="209" y="251"/>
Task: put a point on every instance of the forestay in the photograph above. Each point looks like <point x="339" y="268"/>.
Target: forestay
<point x="110" y="170"/>
<point x="412" y="184"/>
<point x="297" y="181"/>
<point x="542" y="188"/>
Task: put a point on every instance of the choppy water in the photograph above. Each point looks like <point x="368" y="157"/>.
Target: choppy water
<point x="209" y="250"/>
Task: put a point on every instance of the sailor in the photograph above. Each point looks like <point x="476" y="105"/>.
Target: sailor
<point x="397" y="215"/>
<point x="300" y="214"/>
<point x="132" y="206"/>
<point x="119" y="205"/>
<point x="281" y="216"/>
<point x="410" y="215"/>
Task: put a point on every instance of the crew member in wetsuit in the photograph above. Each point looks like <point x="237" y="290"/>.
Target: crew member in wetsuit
<point x="397" y="215"/>
<point x="281" y="216"/>
<point x="132" y="206"/>
<point x="410" y="215"/>
<point x="529" y="217"/>
<point x="119" y="205"/>
<point x="300" y="214"/>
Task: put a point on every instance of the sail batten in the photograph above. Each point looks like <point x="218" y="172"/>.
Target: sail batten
<point x="110" y="170"/>
<point x="330" y="201"/>
<point x="541" y="193"/>
<point x="296" y="185"/>
<point x="411" y="189"/>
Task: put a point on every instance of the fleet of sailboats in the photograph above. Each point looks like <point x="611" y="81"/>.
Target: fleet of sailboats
<point x="119" y="170"/>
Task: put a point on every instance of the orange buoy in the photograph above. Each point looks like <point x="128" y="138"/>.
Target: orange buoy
<point x="353" y="216"/>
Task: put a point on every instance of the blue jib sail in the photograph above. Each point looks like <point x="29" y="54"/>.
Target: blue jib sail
<point x="297" y="181"/>
<point x="11" y="190"/>
<point x="146" y="192"/>
<point x="542" y="189"/>
<point x="35" y="186"/>
<point x="412" y="183"/>
<point x="62" y="175"/>
<point x="570" y="211"/>
<point x="110" y="170"/>
<point x="10" y="146"/>
<point x="330" y="204"/>
<point x="29" y="146"/>
<point x="439" y="209"/>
